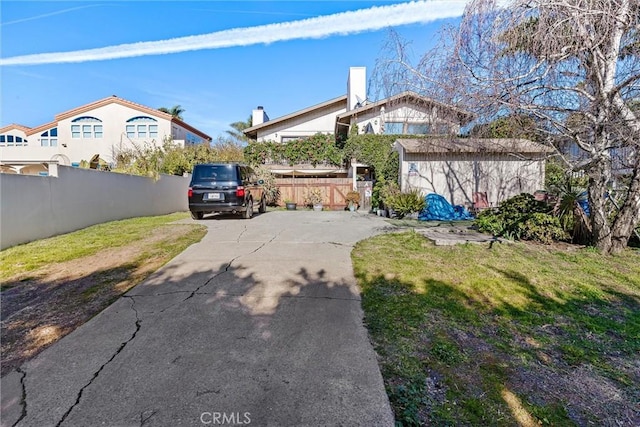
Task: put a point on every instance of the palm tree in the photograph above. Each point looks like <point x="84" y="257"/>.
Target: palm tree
<point x="176" y="111"/>
<point x="238" y="127"/>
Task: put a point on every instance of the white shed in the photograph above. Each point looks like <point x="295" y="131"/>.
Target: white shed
<point x="456" y="168"/>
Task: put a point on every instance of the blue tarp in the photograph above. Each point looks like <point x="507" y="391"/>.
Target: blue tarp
<point x="584" y="203"/>
<point x="439" y="209"/>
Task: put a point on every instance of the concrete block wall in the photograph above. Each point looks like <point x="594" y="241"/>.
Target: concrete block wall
<point x="36" y="207"/>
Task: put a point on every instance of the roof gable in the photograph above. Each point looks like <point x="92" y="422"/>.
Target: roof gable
<point x="337" y="102"/>
<point x="15" y="126"/>
<point x="107" y="101"/>
<point x="112" y="100"/>
<point x="409" y="97"/>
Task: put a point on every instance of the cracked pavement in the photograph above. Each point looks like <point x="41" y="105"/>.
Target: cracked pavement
<point x="259" y="323"/>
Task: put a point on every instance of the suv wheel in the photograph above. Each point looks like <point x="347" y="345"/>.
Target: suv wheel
<point x="263" y="205"/>
<point x="197" y="215"/>
<point x="248" y="213"/>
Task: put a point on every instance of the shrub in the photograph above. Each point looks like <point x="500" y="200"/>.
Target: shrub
<point x="522" y="217"/>
<point x="388" y="191"/>
<point x="406" y="203"/>
<point x="543" y="228"/>
<point x="488" y="222"/>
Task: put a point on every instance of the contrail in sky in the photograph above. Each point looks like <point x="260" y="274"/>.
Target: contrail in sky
<point x="374" y="18"/>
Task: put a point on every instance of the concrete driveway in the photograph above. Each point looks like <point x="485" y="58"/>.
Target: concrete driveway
<point x="258" y="324"/>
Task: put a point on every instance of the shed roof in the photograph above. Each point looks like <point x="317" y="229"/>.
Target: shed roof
<point x="473" y="145"/>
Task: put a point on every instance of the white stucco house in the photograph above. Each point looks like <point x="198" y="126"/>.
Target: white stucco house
<point x="405" y="113"/>
<point x="436" y="160"/>
<point x="104" y="128"/>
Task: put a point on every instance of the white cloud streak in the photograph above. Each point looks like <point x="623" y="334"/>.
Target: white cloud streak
<point x="340" y="24"/>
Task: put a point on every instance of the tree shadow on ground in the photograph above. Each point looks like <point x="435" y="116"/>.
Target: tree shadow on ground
<point x="231" y="338"/>
<point x="455" y="357"/>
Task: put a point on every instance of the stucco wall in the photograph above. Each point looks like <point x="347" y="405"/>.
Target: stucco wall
<point x="323" y="121"/>
<point x="113" y="118"/>
<point x="35" y="207"/>
<point x="456" y="178"/>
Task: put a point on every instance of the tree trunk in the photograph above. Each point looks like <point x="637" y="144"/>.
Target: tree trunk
<point x="629" y="214"/>
<point x="599" y="174"/>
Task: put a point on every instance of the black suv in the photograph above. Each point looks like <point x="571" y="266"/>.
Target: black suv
<point x="225" y="187"/>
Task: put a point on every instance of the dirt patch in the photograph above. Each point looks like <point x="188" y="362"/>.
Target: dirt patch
<point x="42" y="306"/>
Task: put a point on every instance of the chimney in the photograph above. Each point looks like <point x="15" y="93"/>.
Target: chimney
<point x="356" y="87"/>
<point x="258" y="116"/>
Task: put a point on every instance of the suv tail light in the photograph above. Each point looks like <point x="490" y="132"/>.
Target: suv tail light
<point x="240" y="191"/>
<point x="190" y="192"/>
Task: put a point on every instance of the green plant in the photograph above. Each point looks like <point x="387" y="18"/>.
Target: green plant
<point x="521" y="217"/>
<point x="388" y="191"/>
<point x="543" y="228"/>
<point x="488" y="222"/>
<point x="376" y="151"/>
<point x="404" y="203"/>
<point x="316" y="149"/>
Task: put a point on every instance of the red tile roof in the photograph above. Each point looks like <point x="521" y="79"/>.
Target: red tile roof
<point x="11" y="126"/>
<point x="101" y="103"/>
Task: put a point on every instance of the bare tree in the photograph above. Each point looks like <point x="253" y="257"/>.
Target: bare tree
<point x="571" y="65"/>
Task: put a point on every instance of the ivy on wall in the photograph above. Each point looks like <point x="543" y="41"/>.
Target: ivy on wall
<point x="315" y="150"/>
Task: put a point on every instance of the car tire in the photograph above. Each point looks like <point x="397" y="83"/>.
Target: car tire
<point x="248" y="212"/>
<point x="263" y="205"/>
<point x="197" y="215"/>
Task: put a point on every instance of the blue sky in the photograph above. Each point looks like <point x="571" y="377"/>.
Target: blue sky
<point x="210" y="57"/>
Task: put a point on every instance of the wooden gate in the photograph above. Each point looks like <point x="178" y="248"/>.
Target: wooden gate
<point x="334" y="190"/>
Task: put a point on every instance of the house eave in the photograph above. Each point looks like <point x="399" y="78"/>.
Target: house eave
<point x="252" y="132"/>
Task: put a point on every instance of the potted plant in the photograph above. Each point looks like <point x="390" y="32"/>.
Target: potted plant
<point x="353" y="200"/>
<point x="290" y="205"/>
<point x="314" y="197"/>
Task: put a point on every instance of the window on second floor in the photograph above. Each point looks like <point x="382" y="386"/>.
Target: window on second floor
<point x="12" y="141"/>
<point x="405" y="128"/>
<point x="141" y="127"/>
<point x="86" y="127"/>
<point x="49" y="138"/>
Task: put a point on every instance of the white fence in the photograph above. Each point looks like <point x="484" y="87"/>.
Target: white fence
<point x="35" y="207"/>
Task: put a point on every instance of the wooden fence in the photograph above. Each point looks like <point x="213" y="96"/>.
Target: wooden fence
<point x="334" y="190"/>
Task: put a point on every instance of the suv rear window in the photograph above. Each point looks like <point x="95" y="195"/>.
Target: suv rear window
<point x="214" y="173"/>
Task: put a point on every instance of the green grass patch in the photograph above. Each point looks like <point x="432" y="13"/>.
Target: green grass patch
<point x="497" y="335"/>
<point x="81" y="243"/>
<point x="58" y="284"/>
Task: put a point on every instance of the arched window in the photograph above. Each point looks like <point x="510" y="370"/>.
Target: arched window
<point x="142" y="127"/>
<point x="12" y="140"/>
<point x="86" y="127"/>
<point x="49" y="138"/>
